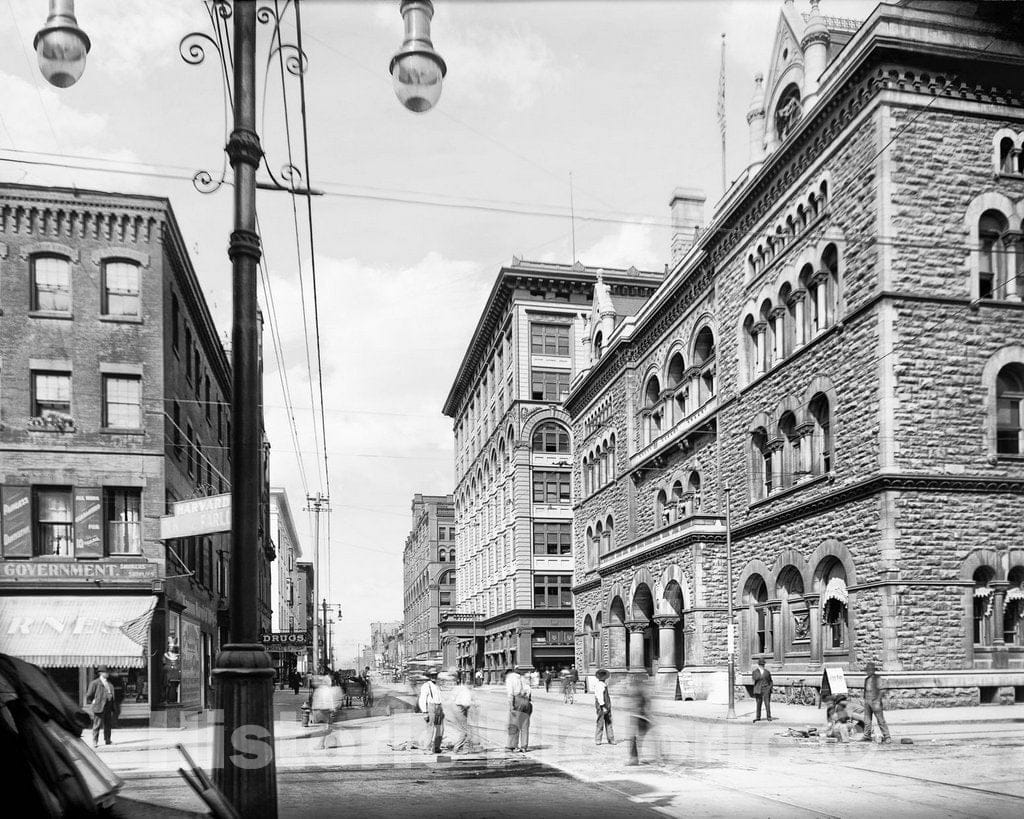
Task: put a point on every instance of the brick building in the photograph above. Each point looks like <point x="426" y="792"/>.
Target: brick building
<point x="288" y="605"/>
<point x="387" y="641"/>
<point x="513" y="458"/>
<point x="428" y="571"/>
<point x="838" y="356"/>
<point x="114" y="405"/>
<point x="304" y="587"/>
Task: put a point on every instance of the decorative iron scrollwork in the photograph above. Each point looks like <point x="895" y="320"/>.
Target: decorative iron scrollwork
<point x="194" y="48"/>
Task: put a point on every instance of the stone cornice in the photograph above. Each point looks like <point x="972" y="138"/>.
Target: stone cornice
<point x="587" y="585"/>
<point x="687" y="539"/>
<point x="868" y="487"/>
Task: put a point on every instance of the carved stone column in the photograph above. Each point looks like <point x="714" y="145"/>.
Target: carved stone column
<point x="636" y="645"/>
<point x="778" y="637"/>
<point x="759" y="347"/>
<point x="799" y="319"/>
<point x="779" y="331"/>
<point x="617" y="659"/>
<point x="999" y="588"/>
<point x="666" y="643"/>
<point x="817" y="629"/>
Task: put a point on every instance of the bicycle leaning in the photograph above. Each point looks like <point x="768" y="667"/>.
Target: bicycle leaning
<point x="799" y="693"/>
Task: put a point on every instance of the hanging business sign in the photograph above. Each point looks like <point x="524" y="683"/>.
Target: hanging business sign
<point x="199" y="516"/>
<point x="296" y="641"/>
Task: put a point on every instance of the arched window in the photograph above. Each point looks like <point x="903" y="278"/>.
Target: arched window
<point x="821" y="440"/>
<point x="1013" y="608"/>
<point x="599" y="538"/>
<point x="652" y="397"/>
<point x="784" y="320"/>
<point x="442" y="555"/>
<point x="1009" y="399"/>
<point x="678" y="510"/>
<point x="662" y="515"/>
<point x="995" y="257"/>
<point x="1009" y="158"/>
<point x="790" y="449"/>
<point x="834" y="604"/>
<point x="983" y="605"/>
<point x="761" y="470"/>
<point x="609" y="535"/>
<point x="754" y="347"/>
<point x="829" y="276"/>
<point x="551" y="437"/>
<point x="447" y="578"/>
<point x="767" y="322"/>
<point x="598" y="345"/>
<point x="693" y="488"/>
<point x="704" y="357"/>
<point x="451" y="555"/>
<point x="611" y="457"/>
<point x="796" y="618"/>
<point x="755" y="597"/>
<point x="788" y="111"/>
<point x="591" y="547"/>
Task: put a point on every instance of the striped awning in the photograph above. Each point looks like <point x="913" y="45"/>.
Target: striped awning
<point x="63" y="631"/>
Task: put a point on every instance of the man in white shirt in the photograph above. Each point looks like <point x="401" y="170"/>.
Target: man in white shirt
<point x="520" y="706"/>
<point x="433" y="711"/>
<point x="603" y="706"/>
<point x="463" y="702"/>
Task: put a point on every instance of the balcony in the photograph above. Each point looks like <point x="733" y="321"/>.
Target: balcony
<point x="695" y="524"/>
<point x="675" y="435"/>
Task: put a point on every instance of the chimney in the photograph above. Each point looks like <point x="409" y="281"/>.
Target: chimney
<point x="687" y="206"/>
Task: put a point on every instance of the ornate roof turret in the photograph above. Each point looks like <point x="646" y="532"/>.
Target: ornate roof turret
<point x="816" y="29"/>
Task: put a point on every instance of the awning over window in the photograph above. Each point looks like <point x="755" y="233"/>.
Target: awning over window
<point x="835" y="589"/>
<point x="1016" y="594"/>
<point x="84" y="630"/>
<point x="981" y="591"/>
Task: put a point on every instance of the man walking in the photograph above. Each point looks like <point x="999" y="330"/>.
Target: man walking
<point x="603" y="706"/>
<point x="520" y="707"/>
<point x="103" y="705"/>
<point x="463" y="704"/>
<point x="763" y="690"/>
<point x="873" y="704"/>
<point x="430" y="706"/>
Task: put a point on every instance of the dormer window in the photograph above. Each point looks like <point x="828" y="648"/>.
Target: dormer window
<point x="788" y="111"/>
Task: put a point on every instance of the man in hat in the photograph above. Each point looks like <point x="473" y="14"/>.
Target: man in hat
<point x="433" y="711"/>
<point x="603" y="707"/>
<point x="873" y="704"/>
<point x="102" y="704"/>
<point x="763" y="690"/>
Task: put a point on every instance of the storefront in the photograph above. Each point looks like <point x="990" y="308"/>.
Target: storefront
<point x="69" y="635"/>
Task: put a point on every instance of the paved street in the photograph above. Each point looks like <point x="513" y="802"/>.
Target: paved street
<point x="962" y="762"/>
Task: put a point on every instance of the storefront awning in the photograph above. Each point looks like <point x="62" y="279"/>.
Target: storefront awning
<point x="55" y="632"/>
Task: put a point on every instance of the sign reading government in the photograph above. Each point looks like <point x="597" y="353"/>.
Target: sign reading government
<point x="75" y="570"/>
<point x="199" y="516"/>
<point x="279" y="640"/>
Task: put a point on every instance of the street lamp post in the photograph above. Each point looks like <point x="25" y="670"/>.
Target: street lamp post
<point x="244" y="671"/>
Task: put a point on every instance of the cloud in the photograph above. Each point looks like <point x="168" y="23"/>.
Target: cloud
<point x="639" y="245"/>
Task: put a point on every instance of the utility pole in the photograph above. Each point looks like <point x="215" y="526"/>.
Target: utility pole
<point x="316" y="505"/>
<point x="327" y="626"/>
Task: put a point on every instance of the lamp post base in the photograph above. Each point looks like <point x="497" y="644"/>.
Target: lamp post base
<point x="245" y="769"/>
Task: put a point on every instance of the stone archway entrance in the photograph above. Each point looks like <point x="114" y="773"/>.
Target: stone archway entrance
<point x="642" y="651"/>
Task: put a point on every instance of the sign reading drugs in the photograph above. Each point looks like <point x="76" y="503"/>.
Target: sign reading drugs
<point x="199" y="516"/>
<point x="286" y="641"/>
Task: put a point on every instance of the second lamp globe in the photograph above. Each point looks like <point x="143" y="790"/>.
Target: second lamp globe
<point x="416" y="69"/>
<point x="61" y="45"/>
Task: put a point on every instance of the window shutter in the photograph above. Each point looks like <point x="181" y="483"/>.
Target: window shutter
<point x="89" y="522"/>
<point x="16" y="521"/>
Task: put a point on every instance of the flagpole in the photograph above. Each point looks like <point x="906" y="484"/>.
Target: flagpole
<point x="721" y="109"/>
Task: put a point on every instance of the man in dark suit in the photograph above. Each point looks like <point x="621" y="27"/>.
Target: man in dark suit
<point x="763" y="690"/>
<point x="102" y="703"/>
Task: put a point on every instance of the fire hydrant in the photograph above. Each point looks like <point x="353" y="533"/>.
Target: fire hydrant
<point x="305" y="710"/>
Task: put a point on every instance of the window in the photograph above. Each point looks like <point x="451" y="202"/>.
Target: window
<point x="445" y="598"/>
<point x="549" y="385"/>
<point x="996" y="255"/>
<point x="55" y="523"/>
<point x="51" y="393"/>
<point x="176" y="429"/>
<point x="552" y="538"/>
<point x="549" y="339"/>
<point x="822" y="436"/>
<point x="983" y="606"/>
<point x="206" y="389"/>
<point x="1009" y="397"/>
<point x="122" y="401"/>
<point x="1013" y="608"/>
<point x="121" y="290"/>
<point x="190" y="437"/>
<point x="552" y="591"/>
<point x="51" y="284"/>
<point x="122" y="516"/>
<point x="551" y="487"/>
<point x="552" y="438"/>
<point x="762" y="462"/>
<point x="442" y="555"/>
<point x="188" y="353"/>
<point x="197" y="369"/>
<point x="175" y="321"/>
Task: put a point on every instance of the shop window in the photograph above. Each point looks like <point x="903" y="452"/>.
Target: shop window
<point x="1013" y="608"/>
<point x="54" y="523"/>
<point x="171" y="660"/>
<point x="122" y="401"/>
<point x="51" y="284"/>
<point x="122" y="513"/>
<point x="121" y="290"/>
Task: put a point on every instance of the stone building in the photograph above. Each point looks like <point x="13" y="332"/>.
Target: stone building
<point x="114" y="406"/>
<point x="513" y="458"/>
<point x="837" y="357"/>
<point x="288" y="605"/>
<point x="387" y="641"/>
<point x="304" y="608"/>
<point x="428" y="571"/>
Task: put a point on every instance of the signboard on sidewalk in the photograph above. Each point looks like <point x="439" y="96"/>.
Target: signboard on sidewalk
<point x="199" y="516"/>
<point x="833" y="681"/>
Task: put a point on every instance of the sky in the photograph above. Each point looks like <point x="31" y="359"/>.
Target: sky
<point x="607" y="106"/>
